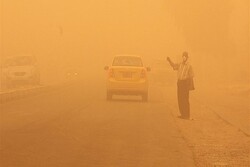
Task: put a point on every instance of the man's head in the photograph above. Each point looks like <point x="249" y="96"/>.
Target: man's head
<point x="185" y="56"/>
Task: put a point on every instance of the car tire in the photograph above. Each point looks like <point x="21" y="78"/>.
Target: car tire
<point x="145" y="97"/>
<point x="9" y="84"/>
<point x="109" y="96"/>
<point x="37" y="82"/>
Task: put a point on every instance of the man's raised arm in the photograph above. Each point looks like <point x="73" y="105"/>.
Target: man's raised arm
<point x="173" y="65"/>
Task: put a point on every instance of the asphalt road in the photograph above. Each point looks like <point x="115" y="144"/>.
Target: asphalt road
<point x="76" y="126"/>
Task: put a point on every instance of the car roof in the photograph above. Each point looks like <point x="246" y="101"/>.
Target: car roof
<point x="20" y="55"/>
<point x="127" y="55"/>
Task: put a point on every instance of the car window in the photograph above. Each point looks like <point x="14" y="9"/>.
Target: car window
<point x="21" y="61"/>
<point x="127" y="61"/>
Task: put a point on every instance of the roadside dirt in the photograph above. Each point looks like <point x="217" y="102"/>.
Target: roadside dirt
<point x="214" y="141"/>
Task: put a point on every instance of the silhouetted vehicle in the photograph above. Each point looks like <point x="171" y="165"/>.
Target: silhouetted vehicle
<point x="72" y="74"/>
<point x="21" y="69"/>
<point x="127" y="76"/>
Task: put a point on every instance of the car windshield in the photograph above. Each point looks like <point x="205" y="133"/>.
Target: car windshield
<point x="128" y="61"/>
<point x="20" y="61"/>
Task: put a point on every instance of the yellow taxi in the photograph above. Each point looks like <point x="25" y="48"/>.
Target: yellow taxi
<point x="127" y="76"/>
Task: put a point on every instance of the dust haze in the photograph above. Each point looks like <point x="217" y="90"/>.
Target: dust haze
<point x="84" y="34"/>
<point x="75" y="42"/>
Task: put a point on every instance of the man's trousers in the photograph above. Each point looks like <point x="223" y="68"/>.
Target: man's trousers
<point x="183" y="98"/>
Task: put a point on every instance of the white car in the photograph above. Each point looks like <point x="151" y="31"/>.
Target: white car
<point x="21" y="69"/>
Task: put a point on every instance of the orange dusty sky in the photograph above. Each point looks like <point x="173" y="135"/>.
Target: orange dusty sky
<point x="83" y="33"/>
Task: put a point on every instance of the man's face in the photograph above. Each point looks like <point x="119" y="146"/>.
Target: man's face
<point x="184" y="58"/>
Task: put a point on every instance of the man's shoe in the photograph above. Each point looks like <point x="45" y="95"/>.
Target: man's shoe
<point x="184" y="117"/>
<point x="181" y="117"/>
<point x="187" y="118"/>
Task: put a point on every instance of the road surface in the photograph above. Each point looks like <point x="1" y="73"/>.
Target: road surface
<point x="76" y="126"/>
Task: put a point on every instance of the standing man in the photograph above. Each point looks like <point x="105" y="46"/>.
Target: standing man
<point x="184" y="84"/>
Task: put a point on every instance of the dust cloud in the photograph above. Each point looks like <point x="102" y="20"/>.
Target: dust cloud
<point x="74" y="40"/>
<point x="86" y="34"/>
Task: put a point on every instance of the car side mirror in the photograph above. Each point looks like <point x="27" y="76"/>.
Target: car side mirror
<point x="148" y="69"/>
<point x="106" y="68"/>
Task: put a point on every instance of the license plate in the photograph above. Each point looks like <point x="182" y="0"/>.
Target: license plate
<point x="127" y="75"/>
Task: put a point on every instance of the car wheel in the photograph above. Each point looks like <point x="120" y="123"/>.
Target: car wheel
<point x="37" y="82"/>
<point x="109" y="96"/>
<point x="9" y="84"/>
<point x="145" y="97"/>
